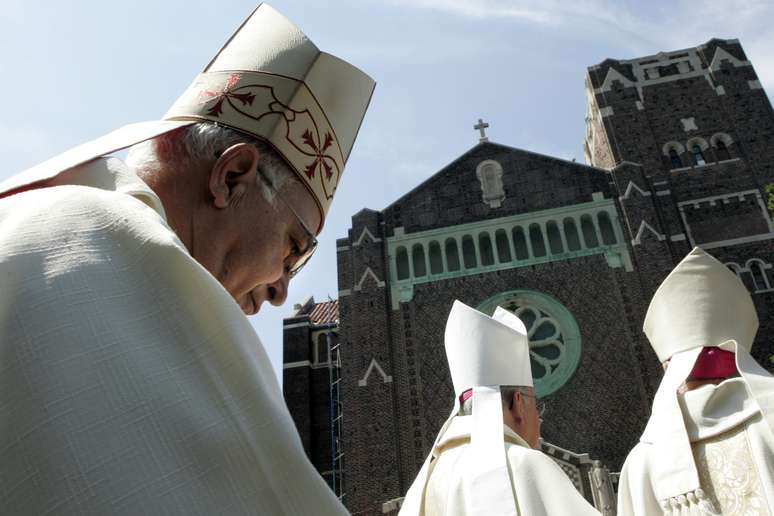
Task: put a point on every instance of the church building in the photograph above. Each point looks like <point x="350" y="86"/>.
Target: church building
<point x="679" y="152"/>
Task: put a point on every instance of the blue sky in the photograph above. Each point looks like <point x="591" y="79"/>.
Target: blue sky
<point x="75" y="70"/>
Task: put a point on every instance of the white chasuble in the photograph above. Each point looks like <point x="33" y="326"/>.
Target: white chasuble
<point x="130" y="381"/>
<point x="539" y="486"/>
<point x="733" y="450"/>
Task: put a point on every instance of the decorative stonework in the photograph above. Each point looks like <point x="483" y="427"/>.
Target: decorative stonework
<point x="554" y="336"/>
<point x="644" y="226"/>
<point x="366" y="275"/>
<point x="631" y="188"/>
<point x="365" y="237"/>
<point x="689" y="124"/>
<point x="374" y="365"/>
<point x="569" y="232"/>
<point x="490" y="175"/>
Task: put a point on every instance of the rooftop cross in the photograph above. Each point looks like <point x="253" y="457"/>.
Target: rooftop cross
<point x="480" y="126"/>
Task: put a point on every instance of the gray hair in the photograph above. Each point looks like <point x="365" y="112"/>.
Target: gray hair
<point x="506" y="395"/>
<point x="202" y="142"/>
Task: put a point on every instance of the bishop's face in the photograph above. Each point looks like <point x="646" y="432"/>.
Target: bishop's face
<point x="247" y="242"/>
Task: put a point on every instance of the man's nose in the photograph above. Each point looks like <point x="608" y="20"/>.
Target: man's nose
<point x="277" y="292"/>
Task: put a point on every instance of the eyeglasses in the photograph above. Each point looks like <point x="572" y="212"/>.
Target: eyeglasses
<point x="296" y="260"/>
<point x="542" y="406"/>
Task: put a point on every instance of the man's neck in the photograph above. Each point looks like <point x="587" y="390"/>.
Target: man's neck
<point x="173" y="198"/>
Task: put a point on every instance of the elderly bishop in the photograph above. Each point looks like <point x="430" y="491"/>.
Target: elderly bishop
<point x="708" y="448"/>
<point x="131" y="381"/>
<point x="486" y="459"/>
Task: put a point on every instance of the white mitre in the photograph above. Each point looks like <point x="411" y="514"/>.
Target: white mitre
<point x="484" y="353"/>
<point x="700" y="304"/>
<point x="268" y="81"/>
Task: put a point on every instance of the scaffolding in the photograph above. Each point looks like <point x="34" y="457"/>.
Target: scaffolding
<point x="336" y="416"/>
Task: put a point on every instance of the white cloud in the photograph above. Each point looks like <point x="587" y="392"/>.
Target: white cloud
<point x="647" y="28"/>
<point x="483" y="9"/>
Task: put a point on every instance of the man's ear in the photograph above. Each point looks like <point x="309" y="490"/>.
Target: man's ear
<point x="517" y="406"/>
<point x="231" y="174"/>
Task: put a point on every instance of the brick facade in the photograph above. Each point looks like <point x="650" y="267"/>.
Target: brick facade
<point x="598" y="241"/>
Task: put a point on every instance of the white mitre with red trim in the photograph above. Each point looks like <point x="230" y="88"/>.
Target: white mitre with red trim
<point x="268" y="81"/>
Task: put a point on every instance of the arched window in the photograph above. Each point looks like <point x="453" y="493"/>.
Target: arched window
<point x="322" y="349"/>
<point x="554" y="238"/>
<point x="674" y="158"/>
<point x="734" y="267"/>
<point x="469" y="252"/>
<point x="536" y="239"/>
<point x="698" y="156"/>
<point x="503" y="248"/>
<point x="571" y="234"/>
<point x="402" y="263"/>
<point x="418" y="259"/>
<point x="758" y="272"/>
<point x="722" y="151"/>
<point x="436" y="260"/>
<point x="589" y="233"/>
<point x="452" y="255"/>
<point x="606" y="228"/>
<point x="485" y="248"/>
<point x="520" y="243"/>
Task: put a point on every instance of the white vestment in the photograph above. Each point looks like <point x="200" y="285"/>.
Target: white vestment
<point x="130" y="381"/>
<point x="733" y="450"/>
<point x="540" y="487"/>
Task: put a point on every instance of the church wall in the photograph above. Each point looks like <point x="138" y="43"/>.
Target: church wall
<point x="531" y="182"/>
<point x="372" y="471"/>
<point x="297" y="381"/>
<point x="602" y="407"/>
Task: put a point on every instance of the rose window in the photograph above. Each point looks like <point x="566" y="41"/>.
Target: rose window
<point x="554" y="338"/>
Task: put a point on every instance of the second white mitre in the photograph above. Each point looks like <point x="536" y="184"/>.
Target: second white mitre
<point x="483" y="354"/>
<point x="492" y="471"/>
<point x="688" y="461"/>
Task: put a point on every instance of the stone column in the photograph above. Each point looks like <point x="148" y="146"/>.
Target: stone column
<point x="560" y="227"/>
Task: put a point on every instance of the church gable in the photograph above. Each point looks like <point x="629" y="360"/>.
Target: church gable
<point x="493" y="181"/>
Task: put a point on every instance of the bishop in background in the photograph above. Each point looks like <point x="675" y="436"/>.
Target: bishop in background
<point x="131" y="381"/>
<point x="708" y="448"/>
<point x="486" y="459"/>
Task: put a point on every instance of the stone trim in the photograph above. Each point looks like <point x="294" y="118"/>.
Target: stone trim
<point x="629" y="188"/>
<point x="720" y="55"/>
<point x="368" y="272"/>
<point x="293" y="365"/>
<point x="616" y="254"/>
<point x="374" y="365"/>
<point x="725" y="198"/>
<point x="296" y="325"/>
<point x="363" y="234"/>
<point x="736" y="241"/>
<point x="641" y="232"/>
